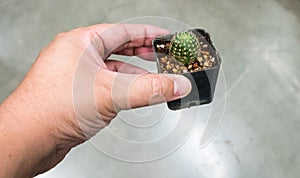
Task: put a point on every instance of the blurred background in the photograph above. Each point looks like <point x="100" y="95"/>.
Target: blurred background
<point x="259" y="42"/>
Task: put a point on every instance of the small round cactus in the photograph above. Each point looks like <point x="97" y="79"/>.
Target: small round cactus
<point x="184" y="47"/>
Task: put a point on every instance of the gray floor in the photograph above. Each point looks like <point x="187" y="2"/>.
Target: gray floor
<point x="259" y="42"/>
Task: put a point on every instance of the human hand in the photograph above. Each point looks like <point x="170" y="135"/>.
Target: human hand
<point x="73" y="90"/>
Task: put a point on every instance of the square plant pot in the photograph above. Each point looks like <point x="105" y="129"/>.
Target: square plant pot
<point x="202" y="72"/>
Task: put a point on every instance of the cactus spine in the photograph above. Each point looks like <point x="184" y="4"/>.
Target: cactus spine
<point x="184" y="47"/>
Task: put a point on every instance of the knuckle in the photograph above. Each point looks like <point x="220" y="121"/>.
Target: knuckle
<point x="60" y="36"/>
<point x="157" y="85"/>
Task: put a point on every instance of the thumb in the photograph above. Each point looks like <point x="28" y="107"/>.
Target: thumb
<point x="132" y="90"/>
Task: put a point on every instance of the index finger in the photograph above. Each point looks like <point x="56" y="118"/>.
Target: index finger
<point x="116" y="38"/>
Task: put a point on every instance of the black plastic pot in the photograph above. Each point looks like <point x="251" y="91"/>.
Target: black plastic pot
<point x="203" y="81"/>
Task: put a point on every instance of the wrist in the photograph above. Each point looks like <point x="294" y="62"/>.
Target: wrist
<point x="34" y="140"/>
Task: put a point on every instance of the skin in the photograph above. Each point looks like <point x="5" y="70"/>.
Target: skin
<point x="39" y="122"/>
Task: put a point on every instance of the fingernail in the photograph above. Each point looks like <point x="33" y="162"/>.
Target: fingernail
<point x="182" y="85"/>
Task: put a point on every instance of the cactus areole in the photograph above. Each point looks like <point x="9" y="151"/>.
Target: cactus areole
<point x="184" y="47"/>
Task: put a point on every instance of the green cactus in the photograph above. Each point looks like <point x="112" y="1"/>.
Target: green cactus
<point x="184" y="47"/>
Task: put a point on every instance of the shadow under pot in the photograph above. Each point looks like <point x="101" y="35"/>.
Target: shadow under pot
<point x="192" y="54"/>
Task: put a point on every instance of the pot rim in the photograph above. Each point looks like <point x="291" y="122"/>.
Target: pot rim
<point x="203" y="32"/>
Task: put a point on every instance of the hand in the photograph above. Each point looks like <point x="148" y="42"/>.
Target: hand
<point x="73" y="90"/>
